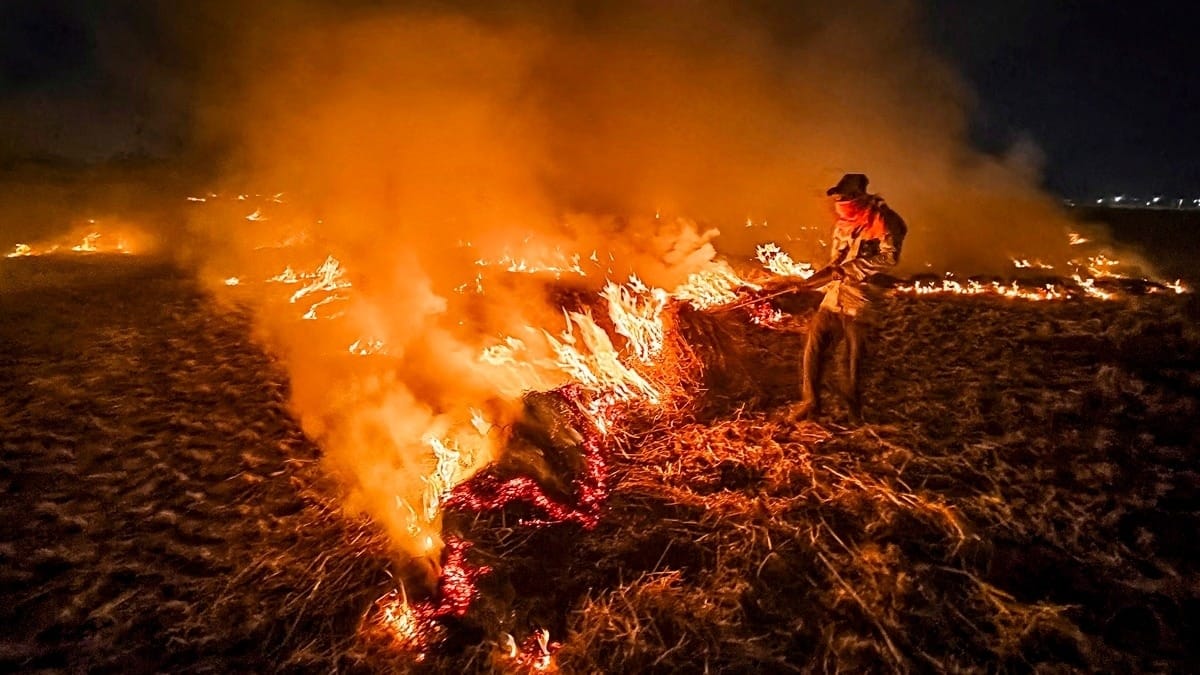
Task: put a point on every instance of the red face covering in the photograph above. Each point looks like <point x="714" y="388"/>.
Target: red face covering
<point x="855" y="217"/>
<point x="851" y="209"/>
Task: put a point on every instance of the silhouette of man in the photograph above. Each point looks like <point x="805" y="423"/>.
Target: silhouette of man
<point x="866" y="240"/>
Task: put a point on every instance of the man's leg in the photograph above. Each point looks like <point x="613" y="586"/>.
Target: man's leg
<point x="855" y="331"/>
<point x="820" y="333"/>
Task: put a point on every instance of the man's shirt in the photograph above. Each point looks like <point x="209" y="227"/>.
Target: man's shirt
<point x="862" y="247"/>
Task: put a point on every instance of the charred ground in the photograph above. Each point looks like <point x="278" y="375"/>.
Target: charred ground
<point x="1026" y="492"/>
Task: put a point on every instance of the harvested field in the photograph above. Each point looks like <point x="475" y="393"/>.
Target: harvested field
<point x="1024" y="495"/>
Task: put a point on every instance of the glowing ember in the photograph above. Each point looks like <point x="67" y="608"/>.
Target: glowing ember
<point x="764" y="314"/>
<point x="487" y="492"/>
<point x="416" y="626"/>
<point x="21" y="250"/>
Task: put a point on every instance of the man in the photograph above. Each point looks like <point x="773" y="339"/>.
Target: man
<point x="866" y="240"/>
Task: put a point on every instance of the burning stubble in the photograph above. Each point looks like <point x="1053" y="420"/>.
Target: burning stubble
<point x="429" y="153"/>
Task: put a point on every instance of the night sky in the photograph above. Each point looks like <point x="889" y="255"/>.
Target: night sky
<point x="1107" y="91"/>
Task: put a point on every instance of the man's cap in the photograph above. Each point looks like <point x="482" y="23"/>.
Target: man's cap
<point x="851" y="185"/>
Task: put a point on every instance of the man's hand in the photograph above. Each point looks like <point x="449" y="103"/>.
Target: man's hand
<point x="825" y="275"/>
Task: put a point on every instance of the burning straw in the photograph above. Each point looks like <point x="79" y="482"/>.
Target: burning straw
<point x="653" y="374"/>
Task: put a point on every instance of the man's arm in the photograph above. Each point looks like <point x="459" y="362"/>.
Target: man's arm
<point x="839" y="246"/>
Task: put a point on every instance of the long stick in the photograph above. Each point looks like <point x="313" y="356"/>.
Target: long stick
<point x="751" y="301"/>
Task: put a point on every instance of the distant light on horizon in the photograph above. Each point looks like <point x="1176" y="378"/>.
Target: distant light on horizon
<point x="1158" y="201"/>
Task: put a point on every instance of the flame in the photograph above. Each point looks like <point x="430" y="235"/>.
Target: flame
<point x="764" y="314"/>
<point x="480" y="423"/>
<point x="636" y="311"/>
<point x="505" y="354"/>
<point x="593" y="361"/>
<point x="451" y="468"/>
<point x="535" y="653"/>
<point x="949" y="285"/>
<point x="367" y="347"/>
<point x="584" y="352"/>
<point x="287" y="276"/>
<point x="1100" y="265"/>
<point x="776" y="260"/>
<point x="416" y="626"/>
<point x="1096" y="267"/>
<point x="329" y="277"/>
<point x="311" y="314"/>
<point x="1036" y="264"/>
<point x="88" y="245"/>
<point x="91" y="241"/>
<point x="565" y="265"/>
<point x="1088" y="286"/>
<point x="406" y="625"/>
<point x="232" y="281"/>
<point x="713" y="287"/>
